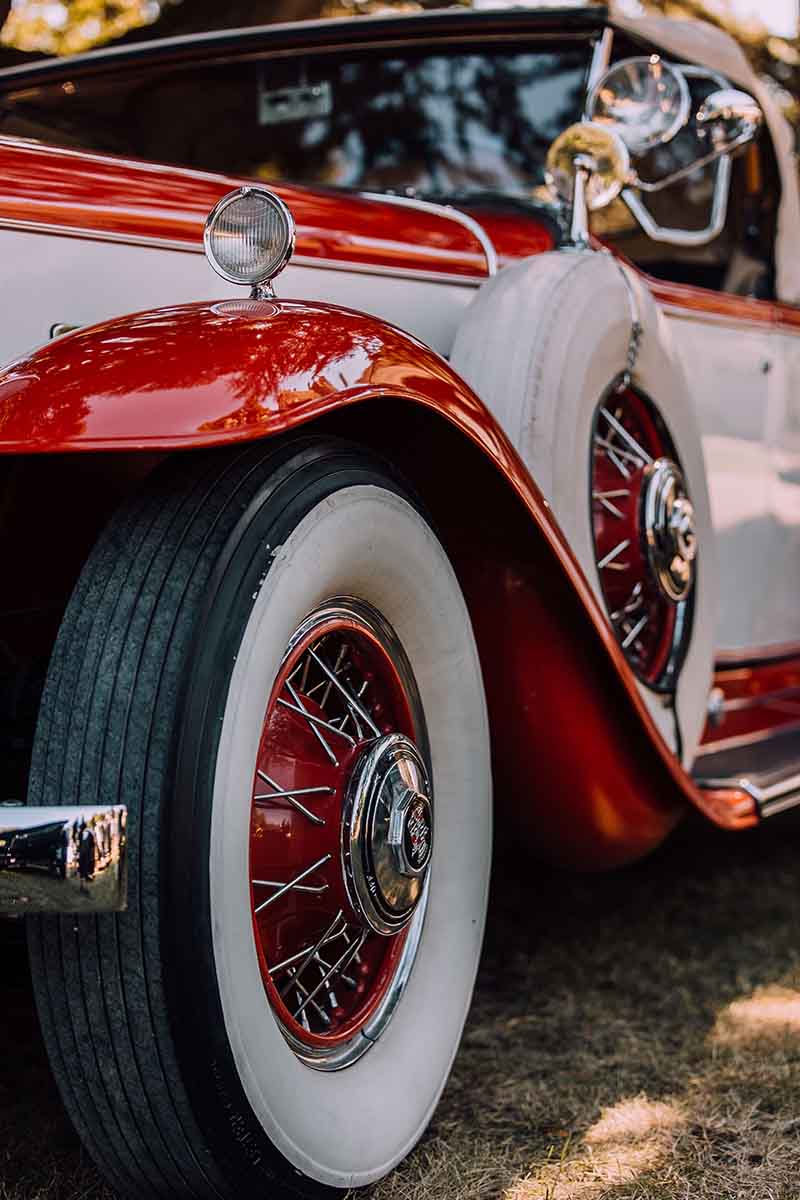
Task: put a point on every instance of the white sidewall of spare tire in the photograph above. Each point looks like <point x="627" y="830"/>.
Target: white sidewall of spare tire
<point x="349" y="1127"/>
<point x="540" y="345"/>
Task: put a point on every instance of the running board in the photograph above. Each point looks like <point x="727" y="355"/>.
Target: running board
<point x="767" y="771"/>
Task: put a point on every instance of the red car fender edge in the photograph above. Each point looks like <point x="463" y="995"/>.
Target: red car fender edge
<point x="235" y="371"/>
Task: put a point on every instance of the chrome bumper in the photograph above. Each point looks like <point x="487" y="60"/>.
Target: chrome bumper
<point x="62" y="860"/>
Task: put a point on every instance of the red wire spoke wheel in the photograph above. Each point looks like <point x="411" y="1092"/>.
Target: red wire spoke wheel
<point x="644" y="535"/>
<point x="341" y="830"/>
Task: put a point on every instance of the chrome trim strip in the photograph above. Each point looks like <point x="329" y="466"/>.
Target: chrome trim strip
<point x="100" y="235"/>
<point x="746" y="739"/>
<point x="63" y="858"/>
<point x="748" y="657"/>
<point x="353" y="268"/>
<point x="771" y="800"/>
<point x="452" y="214"/>
<point x="299" y="260"/>
<point x="778" y="806"/>
<point x="789" y="697"/>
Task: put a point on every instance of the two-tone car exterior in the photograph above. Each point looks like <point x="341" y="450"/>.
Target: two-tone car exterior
<point x="441" y="484"/>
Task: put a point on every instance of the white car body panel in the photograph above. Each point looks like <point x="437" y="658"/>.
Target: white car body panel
<point x="117" y="278"/>
<point x="728" y="365"/>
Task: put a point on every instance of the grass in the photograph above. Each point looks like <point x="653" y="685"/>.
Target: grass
<point x="633" y="1037"/>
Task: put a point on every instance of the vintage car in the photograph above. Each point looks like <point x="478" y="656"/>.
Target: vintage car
<point x="480" y="461"/>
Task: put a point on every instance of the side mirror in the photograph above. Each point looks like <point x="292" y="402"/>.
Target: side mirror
<point x="646" y="100"/>
<point x="730" y="118"/>
<point x="587" y="167"/>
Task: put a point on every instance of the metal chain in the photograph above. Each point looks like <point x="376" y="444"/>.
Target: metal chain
<point x="634" y="342"/>
<point x="625" y="377"/>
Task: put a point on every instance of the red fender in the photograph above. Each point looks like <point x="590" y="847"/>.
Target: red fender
<point x="235" y="371"/>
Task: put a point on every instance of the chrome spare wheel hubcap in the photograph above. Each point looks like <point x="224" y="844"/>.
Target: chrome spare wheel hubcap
<point x="670" y="529"/>
<point x="341" y="833"/>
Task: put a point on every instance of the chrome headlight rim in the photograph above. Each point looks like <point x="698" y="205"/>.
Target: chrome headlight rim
<point x="286" y="249"/>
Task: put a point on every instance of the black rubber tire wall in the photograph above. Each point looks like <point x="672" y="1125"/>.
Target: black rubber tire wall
<point x="108" y="731"/>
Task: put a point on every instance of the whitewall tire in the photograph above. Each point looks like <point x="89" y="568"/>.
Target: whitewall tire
<point x="186" y="616"/>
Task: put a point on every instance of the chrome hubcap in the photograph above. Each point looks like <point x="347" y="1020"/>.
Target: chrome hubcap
<point x="669" y="527"/>
<point x="387" y="833"/>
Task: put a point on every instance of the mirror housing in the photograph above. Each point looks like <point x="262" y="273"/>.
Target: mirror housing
<point x="587" y="167"/>
<point x="645" y="99"/>
<point x="730" y="118"/>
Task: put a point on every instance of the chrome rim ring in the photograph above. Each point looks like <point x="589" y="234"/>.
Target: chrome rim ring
<point x="343" y="741"/>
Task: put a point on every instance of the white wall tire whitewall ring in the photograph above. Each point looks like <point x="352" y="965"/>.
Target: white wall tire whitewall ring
<point x="541" y="345"/>
<point x="185" y="613"/>
<point x="350" y="1128"/>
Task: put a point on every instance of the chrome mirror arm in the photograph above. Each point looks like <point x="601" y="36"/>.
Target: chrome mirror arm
<point x="687" y="237"/>
<point x="658" y="185"/>
<point x="579" y="218"/>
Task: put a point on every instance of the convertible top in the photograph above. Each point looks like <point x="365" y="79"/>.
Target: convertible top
<point x="325" y="33"/>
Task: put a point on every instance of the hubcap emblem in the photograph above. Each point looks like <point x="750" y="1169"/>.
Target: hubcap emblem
<point x="669" y="527"/>
<point x="411" y="833"/>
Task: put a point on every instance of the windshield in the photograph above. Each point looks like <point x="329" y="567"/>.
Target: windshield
<point x="433" y="123"/>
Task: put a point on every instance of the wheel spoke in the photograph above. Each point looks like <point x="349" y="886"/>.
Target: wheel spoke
<point x="309" y="999"/>
<point x="631" y="605"/>
<point x="612" y="457"/>
<point x="322" y="741"/>
<point x="312" y="719"/>
<point x="338" y="966"/>
<point x="326" y="966"/>
<point x="293" y="883"/>
<point x="275" y="883"/>
<point x="609" y="446"/>
<point x="293" y="958"/>
<point x="626" y="437"/>
<point x="634" y="633"/>
<point x="605" y="499"/>
<point x="340" y="659"/>
<point x="291" y="797"/>
<point x="349" y="698"/>
<point x="315" y="949"/>
<point x="608" y="560"/>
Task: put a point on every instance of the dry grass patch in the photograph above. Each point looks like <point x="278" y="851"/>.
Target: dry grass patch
<point x="599" y="1061"/>
<point x="628" y="1139"/>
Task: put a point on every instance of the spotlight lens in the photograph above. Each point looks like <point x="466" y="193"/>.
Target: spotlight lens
<point x="249" y="236"/>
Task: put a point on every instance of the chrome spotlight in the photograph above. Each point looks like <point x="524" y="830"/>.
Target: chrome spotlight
<point x="249" y="238"/>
